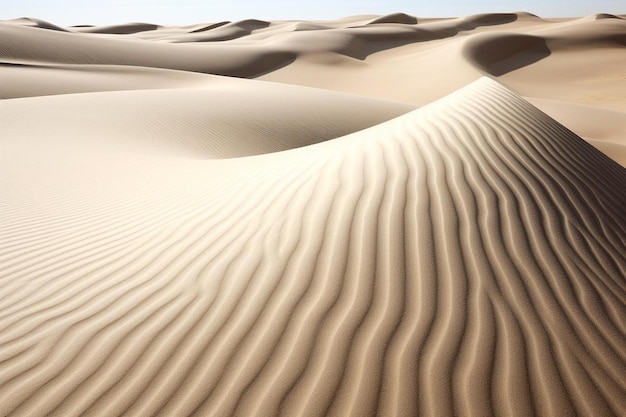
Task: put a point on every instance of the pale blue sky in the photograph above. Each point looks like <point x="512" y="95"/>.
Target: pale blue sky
<point x="68" y="12"/>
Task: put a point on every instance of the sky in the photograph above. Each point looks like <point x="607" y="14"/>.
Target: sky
<point x="176" y="12"/>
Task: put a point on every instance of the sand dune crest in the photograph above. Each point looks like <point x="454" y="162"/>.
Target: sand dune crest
<point x="402" y="18"/>
<point x="36" y="23"/>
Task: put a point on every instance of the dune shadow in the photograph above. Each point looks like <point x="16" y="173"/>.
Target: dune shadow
<point x="122" y="29"/>
<point x="210" y="27"/>
<point x="39" y="24"/>
<point x="17" y="65"/>
<point x="488" y="19"/>
<point x="369" y="39"/>
<point x="264" y="64"/>
<point x="501" y="53"/>
<point x="225" y="31"/>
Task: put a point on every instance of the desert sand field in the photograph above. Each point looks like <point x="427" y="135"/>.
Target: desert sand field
<point x="374" y="215"/>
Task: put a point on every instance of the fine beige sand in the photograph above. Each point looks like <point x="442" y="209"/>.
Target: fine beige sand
<point x="375" y="215"/>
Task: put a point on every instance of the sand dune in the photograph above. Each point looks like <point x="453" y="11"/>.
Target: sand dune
<point x="123" y="29"/>
<point x="36" y="23"/>
<point x="498" y="54"/>
<point x="178" y="242"/>
<point x="576" y="60"/>
<point x="401" y="18"/>
<point x="225" y="32"/>
<point x="217" y="119"/>
<point x="41" y="79"/>
<point x="467" y="256"/>
<point x="22" y="44"/>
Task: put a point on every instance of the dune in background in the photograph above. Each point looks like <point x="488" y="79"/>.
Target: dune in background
<point x="375" y="215"/>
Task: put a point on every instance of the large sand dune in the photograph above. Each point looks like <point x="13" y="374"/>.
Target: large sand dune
<point x="177" y="242"/>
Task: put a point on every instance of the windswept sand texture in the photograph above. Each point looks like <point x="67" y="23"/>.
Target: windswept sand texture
<point x="175" y="241"/>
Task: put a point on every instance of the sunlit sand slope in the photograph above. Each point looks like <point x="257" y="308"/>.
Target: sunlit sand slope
<point x="464" y="259"/>
<point x="220" y="118"/>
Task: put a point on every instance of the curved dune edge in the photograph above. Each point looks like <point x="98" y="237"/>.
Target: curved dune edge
<point x="401" y="18"/>
<point x="218" y="118"/>
<point x="466" y="258"/>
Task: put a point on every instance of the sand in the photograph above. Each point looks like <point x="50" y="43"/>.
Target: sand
<point x="375" y="215"/>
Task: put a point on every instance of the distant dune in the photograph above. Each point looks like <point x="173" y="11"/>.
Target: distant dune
<point x="375" y="215"/>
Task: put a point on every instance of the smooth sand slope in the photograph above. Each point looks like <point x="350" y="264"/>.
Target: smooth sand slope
<point x="220" y="119"/>
<point x="175" y="242"/>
